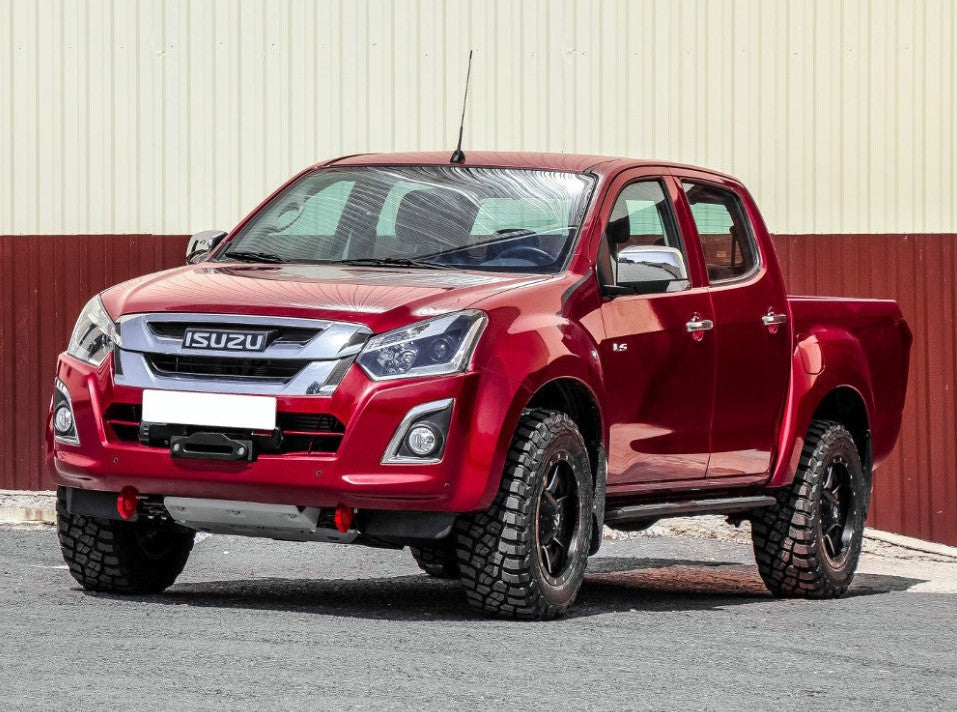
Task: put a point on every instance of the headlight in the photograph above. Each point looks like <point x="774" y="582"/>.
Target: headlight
<point x="94" y="335"/>
<point x="433" y="347"/>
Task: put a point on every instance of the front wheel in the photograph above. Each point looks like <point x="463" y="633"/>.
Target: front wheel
<point x="121" y="557"/>
<point x="808" y="544"/>
<point x="525" y="556"/>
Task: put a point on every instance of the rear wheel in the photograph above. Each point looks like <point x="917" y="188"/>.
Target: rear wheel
<point x="437" y="561"/>
<point x="808" y="544"/>
<point x="121" y="557"/>
<point x="525" y="556"/>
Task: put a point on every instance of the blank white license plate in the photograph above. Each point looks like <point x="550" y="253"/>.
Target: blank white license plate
<point x="221" y="410"/>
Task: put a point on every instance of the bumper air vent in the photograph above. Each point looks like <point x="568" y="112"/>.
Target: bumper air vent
<point x="295" y="432"/>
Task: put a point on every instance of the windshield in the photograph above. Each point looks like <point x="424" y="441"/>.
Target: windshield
<point x="420" y="216"/>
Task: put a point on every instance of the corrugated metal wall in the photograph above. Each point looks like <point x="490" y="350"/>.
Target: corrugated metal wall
<point x="915" y="492"/>
<point x="45" y="280"/>
<point x="152" y="116"/>
<point x="144" y="117"/>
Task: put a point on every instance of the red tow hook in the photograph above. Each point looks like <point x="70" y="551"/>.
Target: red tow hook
<point x="127" y="502"/>
<point x="343" y="518"/>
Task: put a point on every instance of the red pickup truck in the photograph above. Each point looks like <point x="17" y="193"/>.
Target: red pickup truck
<point x="486" y="361"/>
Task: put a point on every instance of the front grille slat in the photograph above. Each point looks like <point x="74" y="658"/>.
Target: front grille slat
<point x="262" y="368"/>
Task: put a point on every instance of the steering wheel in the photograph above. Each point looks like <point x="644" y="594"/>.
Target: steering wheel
<point x="528" y="253"/>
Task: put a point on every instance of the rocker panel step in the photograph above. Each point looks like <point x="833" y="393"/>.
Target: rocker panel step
<point x="661" y="510"/>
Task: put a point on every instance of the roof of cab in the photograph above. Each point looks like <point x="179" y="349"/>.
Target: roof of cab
<point x="579" y="163"/>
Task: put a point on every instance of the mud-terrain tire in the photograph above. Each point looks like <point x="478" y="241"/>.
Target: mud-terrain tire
<point x="808" y="544"/>
<point x="110" y="556"/>
<point x="525" y="556"/>
<point x="437" y="561"/>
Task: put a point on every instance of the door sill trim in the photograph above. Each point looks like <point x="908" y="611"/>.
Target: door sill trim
<point x="680" y="488"/>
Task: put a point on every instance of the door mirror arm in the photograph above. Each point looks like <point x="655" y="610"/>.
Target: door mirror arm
<point x="616" y="290"/>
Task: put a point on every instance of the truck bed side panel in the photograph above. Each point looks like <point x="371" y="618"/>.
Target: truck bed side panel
<point x="862" y="344"/>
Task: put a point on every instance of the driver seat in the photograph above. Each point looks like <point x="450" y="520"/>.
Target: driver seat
<point x="433" y="220"/>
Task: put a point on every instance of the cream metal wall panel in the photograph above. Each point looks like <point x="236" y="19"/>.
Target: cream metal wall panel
<point x="168" y="116"/>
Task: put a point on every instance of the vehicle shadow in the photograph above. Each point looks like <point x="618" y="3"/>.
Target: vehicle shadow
<point x="616" y="583"/>
<point x="612" y="584"/>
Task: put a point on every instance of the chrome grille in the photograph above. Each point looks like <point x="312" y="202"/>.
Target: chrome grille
<point x="301" y="357"/>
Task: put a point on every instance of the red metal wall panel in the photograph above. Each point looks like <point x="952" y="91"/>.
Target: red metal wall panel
<point x="915" y="491"/>
<point x="44" y="282"/>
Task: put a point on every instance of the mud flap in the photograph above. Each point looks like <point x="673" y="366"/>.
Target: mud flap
<point x="598" y="503"/>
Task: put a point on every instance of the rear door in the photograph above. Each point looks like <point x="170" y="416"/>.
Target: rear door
<point x="751" y="331"/>
<point x="659" y="375"/>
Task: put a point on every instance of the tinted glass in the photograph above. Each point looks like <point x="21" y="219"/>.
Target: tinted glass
<point x="319" y="214"/>
<point x="726" y="237"/>
<point x="642" y="216"/>
<point x="474" y="218"/>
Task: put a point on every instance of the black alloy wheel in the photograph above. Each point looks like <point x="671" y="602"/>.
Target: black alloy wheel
<point x="808" y="544"/>
<point x="525" y="556"/>
<point x="557" y="517"/>
<point x="836" y="502"/>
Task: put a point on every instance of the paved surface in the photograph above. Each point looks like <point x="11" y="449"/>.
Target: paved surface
<point x="662" y="623"/>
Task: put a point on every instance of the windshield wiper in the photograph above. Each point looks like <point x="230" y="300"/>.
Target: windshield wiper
<point x="253" y="256"/>
<point x="390" y="262"/>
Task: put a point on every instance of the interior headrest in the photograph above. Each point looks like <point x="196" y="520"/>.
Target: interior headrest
<point x="619" y="230"/>
<point x="437" y="214"/>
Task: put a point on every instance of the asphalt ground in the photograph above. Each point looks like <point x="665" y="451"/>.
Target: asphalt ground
<point x="668" y="622"/>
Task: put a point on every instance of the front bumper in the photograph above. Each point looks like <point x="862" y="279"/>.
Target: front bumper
<point x="353" y="476"/>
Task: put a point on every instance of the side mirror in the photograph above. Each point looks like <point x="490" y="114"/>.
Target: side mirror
<point x="201" y="244"/>
<point x="651" y="268"/>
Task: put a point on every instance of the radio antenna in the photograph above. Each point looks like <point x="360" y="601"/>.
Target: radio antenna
<point x="458" y="156"/>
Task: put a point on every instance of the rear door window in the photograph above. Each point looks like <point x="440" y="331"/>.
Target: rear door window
<point x="730" y="252"/>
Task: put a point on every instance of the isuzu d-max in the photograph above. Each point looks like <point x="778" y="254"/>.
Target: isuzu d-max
<point x="486" y="361"/>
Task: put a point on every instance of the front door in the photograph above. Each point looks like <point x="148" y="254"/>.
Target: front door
<point x="659" y="375"/>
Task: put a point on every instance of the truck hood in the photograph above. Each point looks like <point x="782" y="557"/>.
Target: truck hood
<point x="379" y="297"/>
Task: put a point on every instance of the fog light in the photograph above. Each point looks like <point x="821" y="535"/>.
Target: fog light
<point x="63" y="420"/>
<point x="422" y="440"/>
<point x="422" y="434"/>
